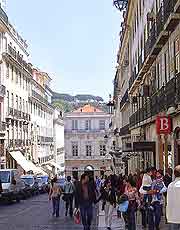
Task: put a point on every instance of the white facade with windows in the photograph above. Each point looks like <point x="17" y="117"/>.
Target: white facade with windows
<point x="85" y="144"/>
<point x="59" y="157"/>
<point x="26" y="114"/>
<point x="41" y="117"/>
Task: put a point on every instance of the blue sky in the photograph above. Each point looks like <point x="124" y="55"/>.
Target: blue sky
<point x="75" y="41"/>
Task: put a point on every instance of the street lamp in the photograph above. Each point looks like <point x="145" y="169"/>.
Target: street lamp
<point x="120" y="4"/>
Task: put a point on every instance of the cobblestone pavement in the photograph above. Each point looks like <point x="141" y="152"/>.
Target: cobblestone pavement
<point x="35" y="214"/>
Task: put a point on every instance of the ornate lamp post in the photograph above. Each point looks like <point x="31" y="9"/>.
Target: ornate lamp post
<point x="120" y="4"/>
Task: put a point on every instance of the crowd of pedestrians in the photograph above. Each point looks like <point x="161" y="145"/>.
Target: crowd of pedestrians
<point x="150" y="193"/>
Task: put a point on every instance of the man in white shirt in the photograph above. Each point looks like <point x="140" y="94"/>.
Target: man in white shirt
<point x="173" y="201"/>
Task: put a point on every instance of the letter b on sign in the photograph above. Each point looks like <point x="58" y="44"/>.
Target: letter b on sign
<point x="163" y="125"/>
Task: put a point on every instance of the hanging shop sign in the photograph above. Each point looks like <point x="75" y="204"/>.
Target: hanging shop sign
<point x="163" y="125"/>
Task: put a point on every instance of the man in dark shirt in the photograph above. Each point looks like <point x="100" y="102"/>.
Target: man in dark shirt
<point x="85" y="197"/>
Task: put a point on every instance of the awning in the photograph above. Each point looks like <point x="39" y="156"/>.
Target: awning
<point x="25" y="164"/>
<point x="54" y="164"/>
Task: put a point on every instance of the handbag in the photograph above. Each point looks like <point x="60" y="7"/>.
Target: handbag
<point x="123" y="207"/>
<point x="77" y="217"/>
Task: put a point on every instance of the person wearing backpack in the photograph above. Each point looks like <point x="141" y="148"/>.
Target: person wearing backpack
<point x="68" y="196"/>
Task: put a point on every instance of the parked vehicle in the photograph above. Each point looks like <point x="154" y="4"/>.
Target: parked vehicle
<point x="31" y="181"/>
<point x="45" y="181"/>
<point x="10" y="186"/>
<point x="25" y="191"/>
<point x="41" y="185"/>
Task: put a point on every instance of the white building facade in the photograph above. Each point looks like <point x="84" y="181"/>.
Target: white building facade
<point x="59" y="156"/>
<point x="41" y="117"/>
<point x="85" y="146"/>
<point x="26" y="113"/>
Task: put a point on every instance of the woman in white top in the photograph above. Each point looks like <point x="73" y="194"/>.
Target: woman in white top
<point x="54" y="195"/>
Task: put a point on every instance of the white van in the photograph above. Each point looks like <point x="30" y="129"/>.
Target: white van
<point x="10" y="191"/>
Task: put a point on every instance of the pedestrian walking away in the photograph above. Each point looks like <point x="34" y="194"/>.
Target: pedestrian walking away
<point x="134" y="203"/>
<point x="85" y="196"/>
<point x="68" y="196"/>
<point x="173" y="201"/>
<point x="54" y="195"/>
<point x="109" y="198"/>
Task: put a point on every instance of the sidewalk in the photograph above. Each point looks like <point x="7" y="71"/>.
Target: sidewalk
<point x="118" y="224"/>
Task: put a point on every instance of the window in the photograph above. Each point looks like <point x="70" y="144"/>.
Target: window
<point x="26" y="107"/>
<point x="20" y="103"/>
<point x="23" y="106"/>
<point x="74" y="124"/>
<point x="12" y="100"/>
<point x="102" y="149"/>
<point x="75" y="148"/>
<point x="23" y="82"/>
<point x="20" y="79"/>
<point x="102" y="124"/>
<point x="88" y="125"/>
<point x="26" y="84"/>
<point x="177" y="54"/>
<point x="12" y="73"/>
<point x="7" y="70"/>
<point x="16" y="102"/>
<point x="16" y="72"/>
<point x="88" y="150"/>
<point x="8" y="99"/>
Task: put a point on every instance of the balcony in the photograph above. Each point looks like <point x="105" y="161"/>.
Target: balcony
<point x="2" y="126"/>
<point x="17" y="57"/>
<point x="4" y="20"/>
<point x="2" y="90"/>
<point x="16" y="114"/>
<point x="132" y="78"/>
<point x="124" y="99"/>
<point x="124" y="130"/>
<point x="84" y="131"/>
<point x="11" y="112"/>
<point x="43" y="139"/>
<point x="167" y="19"/>
<point x="171" y="17"/>
<point x="40" y="98"/>
<point x="166" y="97"/>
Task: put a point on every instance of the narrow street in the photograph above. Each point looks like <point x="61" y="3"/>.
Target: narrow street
<point x="34" y="214"/>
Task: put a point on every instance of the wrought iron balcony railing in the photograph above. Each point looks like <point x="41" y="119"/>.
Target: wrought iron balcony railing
<point x="2" y="90"/>
<point x="3" y="16"/>
<point x="166" y="97"/>
<point x="2" y="126"/>
<point x="124" y="99"/>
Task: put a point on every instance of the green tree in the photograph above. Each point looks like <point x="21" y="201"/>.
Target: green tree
<point x="63" y="105"/>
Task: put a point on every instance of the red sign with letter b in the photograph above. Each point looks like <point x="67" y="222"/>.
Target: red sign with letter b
<point x="163" y="125"/>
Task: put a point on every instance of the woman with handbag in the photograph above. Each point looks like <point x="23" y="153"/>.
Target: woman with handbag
<point x="134" y="203"/>
<point x="54" y="195"/>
